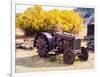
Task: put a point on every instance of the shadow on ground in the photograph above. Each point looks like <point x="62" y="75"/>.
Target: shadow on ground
<point x="28" y="60"/>
<point x="36" y="61"/>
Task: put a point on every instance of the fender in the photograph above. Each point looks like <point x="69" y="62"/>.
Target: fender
<point x="49" y="38"/>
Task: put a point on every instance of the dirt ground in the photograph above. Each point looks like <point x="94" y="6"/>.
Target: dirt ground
<point x="29" y="61"/>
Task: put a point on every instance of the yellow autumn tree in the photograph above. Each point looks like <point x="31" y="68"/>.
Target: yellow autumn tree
<point x="36" y="19"/>
<point x="19" y="19"/>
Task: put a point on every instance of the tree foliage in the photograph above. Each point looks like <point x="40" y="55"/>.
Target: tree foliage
<point x="36" y="19"/>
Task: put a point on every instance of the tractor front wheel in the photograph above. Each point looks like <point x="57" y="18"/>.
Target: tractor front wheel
<point x="68" y="56"/>
<point x="84" y="54"/>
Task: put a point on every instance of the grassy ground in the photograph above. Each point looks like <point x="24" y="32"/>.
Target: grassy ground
<point x="29" y="61"/>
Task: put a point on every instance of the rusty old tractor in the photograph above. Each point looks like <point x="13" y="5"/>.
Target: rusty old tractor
<point x="61" y="43"/>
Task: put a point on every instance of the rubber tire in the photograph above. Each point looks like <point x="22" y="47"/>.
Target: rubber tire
<point x="68" y="56"/>
<point x="84" y="54"/>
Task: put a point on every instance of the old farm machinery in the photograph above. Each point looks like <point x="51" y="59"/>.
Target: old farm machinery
<point x="60" y="43"/>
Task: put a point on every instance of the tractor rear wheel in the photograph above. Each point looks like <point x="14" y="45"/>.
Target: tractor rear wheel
<point x="68" y="56"/>
<point x="42" y="46"/>
<point x="84" y="54"/>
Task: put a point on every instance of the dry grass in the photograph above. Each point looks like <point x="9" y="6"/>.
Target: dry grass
<point x="29" y="61"/>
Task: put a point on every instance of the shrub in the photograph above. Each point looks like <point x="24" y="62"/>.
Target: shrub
<point x="35" y="19"/>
